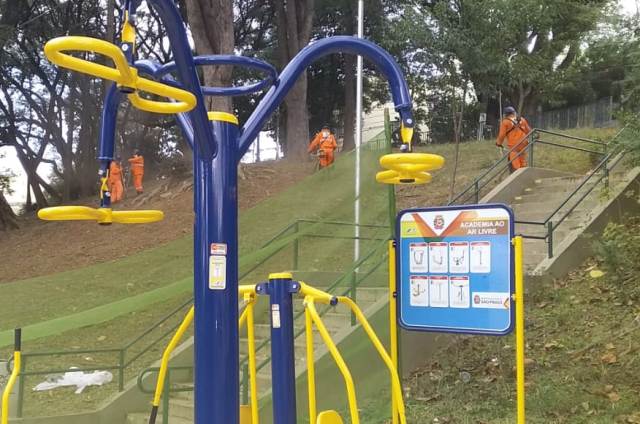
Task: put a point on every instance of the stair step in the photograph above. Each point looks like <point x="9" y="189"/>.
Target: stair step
<point x="180" y="409"/>
<point x="552" y="180"/>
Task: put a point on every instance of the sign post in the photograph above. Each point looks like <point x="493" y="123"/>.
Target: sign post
<point x="459" y="270"/>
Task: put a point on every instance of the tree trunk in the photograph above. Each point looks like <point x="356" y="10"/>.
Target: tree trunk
<point x="86" y="166"/>
<point x="349" y="102"/>
<point x="8" y="219"/>
<point x="294" y="21"/>
<point x="211" y="23"/>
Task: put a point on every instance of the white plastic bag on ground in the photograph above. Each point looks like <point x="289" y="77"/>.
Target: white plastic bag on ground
<point x="76" y="378"/>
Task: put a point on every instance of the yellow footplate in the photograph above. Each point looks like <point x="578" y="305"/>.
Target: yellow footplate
<point x="329" y="417"/>
<point x="100" y="215"/>
<point x="408" y="168"/>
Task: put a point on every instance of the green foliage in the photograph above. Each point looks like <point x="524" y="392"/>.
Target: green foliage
<point x="6" y="176"/>
<point x="629" y="136"/>
<point x="619" y="251"/>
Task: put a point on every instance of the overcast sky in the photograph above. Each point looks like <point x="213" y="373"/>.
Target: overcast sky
<point x="19" y="183"/>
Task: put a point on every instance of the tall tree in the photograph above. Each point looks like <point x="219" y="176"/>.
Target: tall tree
<point x="211" y="23"/>
<point x="294" y="22"/>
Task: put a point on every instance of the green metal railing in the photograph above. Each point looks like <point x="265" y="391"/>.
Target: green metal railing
<point x="124" y="356"/>
<point x="609" y="158"/>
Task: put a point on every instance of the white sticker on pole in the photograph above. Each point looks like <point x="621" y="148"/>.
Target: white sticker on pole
<point x="219" y="249"/>
<point x="217" y="272"/>
<point x="275" y="316"/>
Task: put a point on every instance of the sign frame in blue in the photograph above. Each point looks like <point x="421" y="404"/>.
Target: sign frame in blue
<point x="475" y="284"/>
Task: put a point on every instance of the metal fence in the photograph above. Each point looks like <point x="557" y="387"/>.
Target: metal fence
<point x="598" y="114"/>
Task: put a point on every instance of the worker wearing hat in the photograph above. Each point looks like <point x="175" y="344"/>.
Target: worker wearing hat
<point x="515" y="130"/>
<point x="325" y="144"/>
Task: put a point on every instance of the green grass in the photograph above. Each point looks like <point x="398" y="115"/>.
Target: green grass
<point x="582" y="352"/>
<point x="72" y="297"/>
<point x="326" y="195"/>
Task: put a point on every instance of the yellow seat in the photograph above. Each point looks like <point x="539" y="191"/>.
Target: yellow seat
<point x="101" y="215"/>
<point x="329" y="417"/>
<point x="122" y="74"/>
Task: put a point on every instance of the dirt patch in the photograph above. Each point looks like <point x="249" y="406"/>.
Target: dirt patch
<point x="41" y="248"/>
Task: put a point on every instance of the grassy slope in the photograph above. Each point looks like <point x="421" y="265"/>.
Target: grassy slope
<point x="580" y="370"/>
<point x="323" y="195"/>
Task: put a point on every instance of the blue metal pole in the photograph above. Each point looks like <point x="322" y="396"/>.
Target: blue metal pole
<point x="283" y="371"/>
<point x="217" y="369"/>
<point x="107" y="136"/>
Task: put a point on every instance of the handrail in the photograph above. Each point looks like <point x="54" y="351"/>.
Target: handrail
<point x="572" y="137"/>
<point x="249" y="293"/>
<point x="337" y="357"/>
<point x="498" y="162"/>
<point x="478" y="186"/>
<point x="603" y="164"/>
<point x="17" y="368"/>
<point x="329" y="289"/>
<point x="580" y="149"/>
<point x="165" y="362"/>
<point x="589" y="191"/>
<point x="395" y="378"/>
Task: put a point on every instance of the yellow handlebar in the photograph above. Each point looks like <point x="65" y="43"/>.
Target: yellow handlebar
<point x="101" y="215"/>
<point x="122" y="74"/>
<point x="317" y="294"/>
<point x="408" y="168"/>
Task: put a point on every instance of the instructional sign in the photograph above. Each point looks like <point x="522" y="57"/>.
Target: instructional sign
<point x="455" y="269"/>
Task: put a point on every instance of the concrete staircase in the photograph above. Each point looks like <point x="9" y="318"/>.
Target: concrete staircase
<point x="541" y="194"/>
<point x="336" y="320"/>
<point x="538" y="201"/>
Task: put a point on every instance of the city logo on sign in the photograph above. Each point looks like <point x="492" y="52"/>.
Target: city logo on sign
<point x="438" y="222"/>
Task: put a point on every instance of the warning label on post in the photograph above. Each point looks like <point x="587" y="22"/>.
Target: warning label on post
<point x="217" y="272"/>
<point x="219" y="249"/>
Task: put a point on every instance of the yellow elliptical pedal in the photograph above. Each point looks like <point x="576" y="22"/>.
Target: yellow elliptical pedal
<point x="122" y="74"/>
<point x="100" y="215"/>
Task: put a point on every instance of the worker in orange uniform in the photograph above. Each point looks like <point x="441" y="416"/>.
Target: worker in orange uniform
<point x="515" y="129"/>
<point x="116" y="187"/>
<point x="136" y="164"/>
<point x="325" y="143"/>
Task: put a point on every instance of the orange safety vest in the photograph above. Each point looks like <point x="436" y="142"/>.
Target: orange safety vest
<point x="325" y="147"/>
<point x="115" y="172"/>
<point x="514" y="131"/>
<point x="137" y="165"/>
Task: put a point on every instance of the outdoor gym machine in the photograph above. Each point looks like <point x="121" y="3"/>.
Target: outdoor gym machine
<point x="218" y="144"/>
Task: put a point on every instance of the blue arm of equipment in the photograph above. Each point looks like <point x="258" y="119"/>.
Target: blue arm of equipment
<point x="109" y="121"/>
<point x="245" y="62"/>
<point x="205" y="143"/>
<point x="340" y="44"/>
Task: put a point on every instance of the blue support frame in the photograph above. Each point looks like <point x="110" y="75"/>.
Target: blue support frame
<point x="218" y="147"/>
<point x="280" y="290"/>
